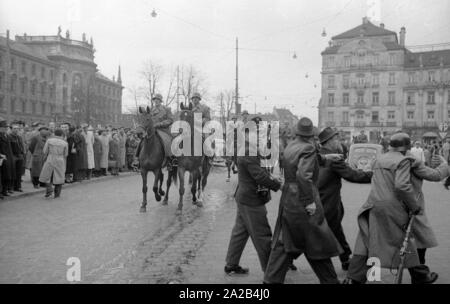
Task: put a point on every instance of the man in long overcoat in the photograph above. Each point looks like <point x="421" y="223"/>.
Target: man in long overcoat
<point x="54" y="169"/>
<point x="384" y="216"/>
<point x="97" y="154"/>
<point x="7" y="168"/>
<point x="104" y="140"/>
<point x="89" y="140"/>
<point x="330" y="184"/>
<point x="36" y="148"/>
<point x="301" y="226"/>
<point x="18" y="149"/>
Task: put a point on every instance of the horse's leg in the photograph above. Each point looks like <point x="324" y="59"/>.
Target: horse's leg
<point x="161" y="180"/>
<point x="195" y="176"/>
<point x="144" y="190"/>
<point x="168" y="183"/>
<point x="181" y="172"/>
<point x="157" y="173"/>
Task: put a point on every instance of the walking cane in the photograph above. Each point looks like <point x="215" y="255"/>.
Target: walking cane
<point x="403" y="252"/>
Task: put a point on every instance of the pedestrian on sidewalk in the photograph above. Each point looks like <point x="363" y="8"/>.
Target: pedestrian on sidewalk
<point x="97" y="154"/>
<point x="104" y="139"/>
<point x="252" y="193"/>
<point x="6" y="154"/>
<point x="71" y="163"/>
<point x="90" y="151"/>
<point x="54" y="170"/>
<point x="36" y="148"/>
<point x="18" y="149"/>
<point x="114" y="154"/>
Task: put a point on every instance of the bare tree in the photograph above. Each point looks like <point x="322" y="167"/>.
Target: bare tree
<point x="152" y="72"/>
<point x="191" y="81"/>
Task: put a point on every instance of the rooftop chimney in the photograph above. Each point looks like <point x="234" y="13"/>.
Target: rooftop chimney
<point x="382" y="25"/>
<point x="402" y="36"/>
<point x="365" y="20"/>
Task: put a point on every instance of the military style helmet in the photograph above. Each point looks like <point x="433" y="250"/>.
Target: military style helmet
<point x="158" y="96"/>
<point x="196" y="95"/>
<point x="400" y="142"/>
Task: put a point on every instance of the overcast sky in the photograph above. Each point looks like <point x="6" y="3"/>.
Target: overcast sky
<point x="202" y="33"/>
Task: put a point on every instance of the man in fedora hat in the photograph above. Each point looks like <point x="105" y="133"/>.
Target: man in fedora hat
<point x="330" y="184"/>
<point x="301" y="226"/>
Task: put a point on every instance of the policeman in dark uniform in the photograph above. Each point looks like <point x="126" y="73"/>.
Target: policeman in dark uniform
<point x="252" y="193"/>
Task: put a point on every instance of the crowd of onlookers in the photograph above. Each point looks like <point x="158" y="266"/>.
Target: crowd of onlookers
<point x="425" y="152"/>
<point x="91" y="152"/>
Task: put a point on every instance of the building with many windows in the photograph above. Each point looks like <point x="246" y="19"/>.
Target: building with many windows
<point x="55" y="78"/>
<point x="372" y="82"/>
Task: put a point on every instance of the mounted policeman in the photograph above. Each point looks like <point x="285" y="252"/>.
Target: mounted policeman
<point x="162" y="120"/>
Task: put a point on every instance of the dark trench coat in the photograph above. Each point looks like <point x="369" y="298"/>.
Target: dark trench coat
<point x="7" y="169"/>
<point x="37" y="155"/>
<point x="300" y="232"/>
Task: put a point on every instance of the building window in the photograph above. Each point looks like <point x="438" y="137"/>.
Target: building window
<point x="391" y="98"/>
<point x="23" y="67"/>
<point x="33" y="107"/>
<point x="375" y="116"/>
<point x="24" y="106"/>
<point x="375" y="79"/>
<point x="13" y="63"/>
<point x="65" y="95"/>
<point x="22" y="86"/>
<point x="2" y="105"/>
<point x="410" y="99"/>
<point x="42" y="89"/>
<point x="410" y="115"/>
<point x="360" y="98"/>
<point x="13" y="86"/>
<point x="431" y="76"/>
<point x="345" y="116"/>
<point x="360" y="115"/>
<point x="361" y="79"/>
<point x="331" y="99"/>
<point x="391" y="78"/>
<point x="391" y="115"/>
<point x="391" y="59"/>
<point x="345" y="99"/>
<point x="448" y="114"/>
<point x="411" y="77"/>
<point x="430" y="99"/>
<point x="331" y="61"/>
<point x="64" y="78"/>
<point x="330" y="116"/>
<point x="33" y="88"/>
<point x="346" y="81"/>
<point x="376" y="59"/>
<point x="375" y="98"/>
<point x="33" y="70"/>
<point x="43" y="108"/>
<point x="430" y="115"/>
<point x="13" y="105"/>
<point x="347" y="61"/>
<point x="1" y="81"/>
<point x="42" y="72"/>
<point x="330" y="83"/>
<point x="52" y="75"/>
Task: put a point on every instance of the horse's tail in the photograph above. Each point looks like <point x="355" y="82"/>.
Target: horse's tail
<point x="174" y="175"/>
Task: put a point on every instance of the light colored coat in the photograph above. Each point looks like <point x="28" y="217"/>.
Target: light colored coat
<point x="105" y="151"/>
<point x="384" y="216"/>
<point x="90" y="149"/>
<point x="56" y="150"/>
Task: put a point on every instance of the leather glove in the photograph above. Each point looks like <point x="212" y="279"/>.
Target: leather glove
<point x="417" y="211"/>
<point x="311" y="208"/>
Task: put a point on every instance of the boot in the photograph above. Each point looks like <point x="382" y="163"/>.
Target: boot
<point x="49" y="190"/>
<point x="58" y="190"/>
<point x="89" y="174"/>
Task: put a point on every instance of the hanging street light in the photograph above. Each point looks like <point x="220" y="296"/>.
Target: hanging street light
<point x="154" y="14"/>
<point x="294" y="56"/>
<point x="324" y="33"/>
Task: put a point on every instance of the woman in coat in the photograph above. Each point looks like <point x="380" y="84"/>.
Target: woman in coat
<point x="36" y="148"/>
<point x="90" y="151"/>
<point x="54" y="170"/>
<point x="97" y="154"/>
<point x="71" y="167"/>
<point x="114" y="154"/>
<point x="104" y="140"/>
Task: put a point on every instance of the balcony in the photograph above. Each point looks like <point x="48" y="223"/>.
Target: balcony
<point x="345" y="124"/>
<point x="430" y="124"/>
<point x="410" y="124"/>
<point x="360" y="124"/>
<point x="330" y="124"/>
<point x="391" y="124"/>
<point x="375" y="124"/>
<point x="359" y="106"/>
<point x="356" y="85"/>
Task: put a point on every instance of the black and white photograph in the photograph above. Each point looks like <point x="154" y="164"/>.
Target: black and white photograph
<point x="197" y="142"/>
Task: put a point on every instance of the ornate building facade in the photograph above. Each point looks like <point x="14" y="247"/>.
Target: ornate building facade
<point x="55" y="78"/>
<point x="372" y="82"/>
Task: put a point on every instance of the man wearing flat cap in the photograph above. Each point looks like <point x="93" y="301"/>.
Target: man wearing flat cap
<point x="330" y="184"/>
<point x="301" y="226"/>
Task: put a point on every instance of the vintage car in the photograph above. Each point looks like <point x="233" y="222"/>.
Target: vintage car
<point x="362" y="156"/>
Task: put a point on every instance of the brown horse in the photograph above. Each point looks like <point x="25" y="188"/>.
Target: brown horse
<point x="197" y="166"/>
<point x="152" y="158"/>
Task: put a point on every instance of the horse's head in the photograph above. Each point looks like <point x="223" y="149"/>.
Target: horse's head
<point x="145" y="120"/>
<point x="186" y="114"/>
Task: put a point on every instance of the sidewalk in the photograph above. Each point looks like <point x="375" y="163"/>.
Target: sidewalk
<point x="28" y="188"/>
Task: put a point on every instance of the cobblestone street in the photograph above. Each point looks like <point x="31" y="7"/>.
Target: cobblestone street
<point x="99" y="222"/>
